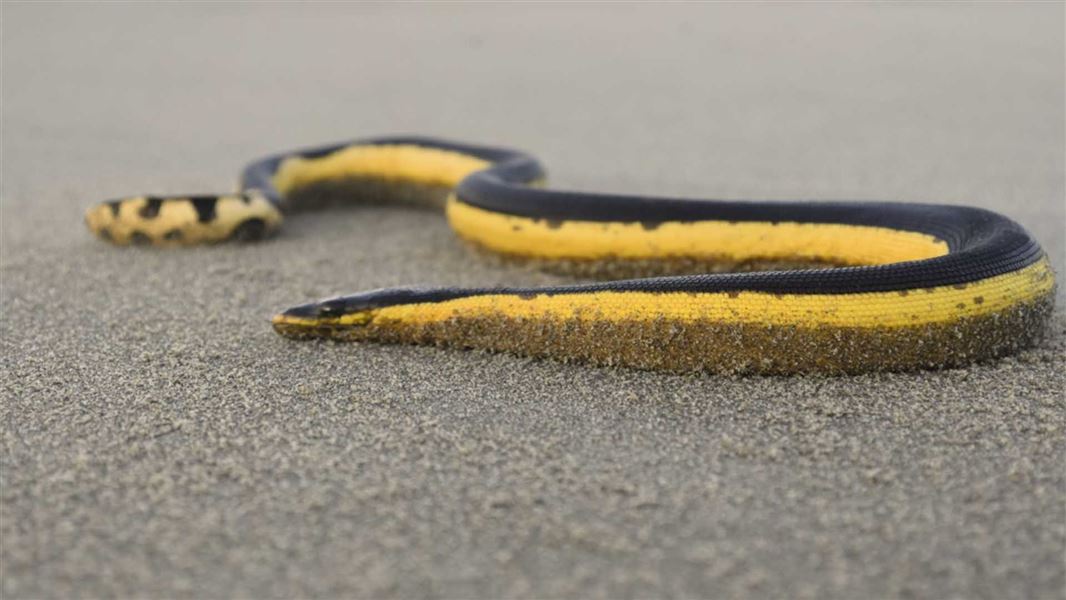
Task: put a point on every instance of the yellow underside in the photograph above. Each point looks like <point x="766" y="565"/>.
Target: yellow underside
<point x="872" y="309"/>
<point x="739" y="241"/>
<point x="521" y="236"/>
<point x="396" y="162"/>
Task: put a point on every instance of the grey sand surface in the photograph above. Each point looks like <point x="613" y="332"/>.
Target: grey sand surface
<point x="159" y="440"/>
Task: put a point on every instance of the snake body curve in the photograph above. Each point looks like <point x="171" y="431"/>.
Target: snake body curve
<point x="907" y="285"/>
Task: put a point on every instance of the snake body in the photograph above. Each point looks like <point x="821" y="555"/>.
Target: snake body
<point x="882" y="286"/>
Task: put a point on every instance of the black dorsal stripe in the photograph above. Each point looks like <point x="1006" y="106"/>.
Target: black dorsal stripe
<point x="981" y="244"/>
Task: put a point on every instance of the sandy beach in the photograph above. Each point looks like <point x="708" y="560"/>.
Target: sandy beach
<point x="157" y="439"/>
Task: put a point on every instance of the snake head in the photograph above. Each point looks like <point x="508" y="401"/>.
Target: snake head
<point x="347" y="317"/>
<point x="325" y="318"/>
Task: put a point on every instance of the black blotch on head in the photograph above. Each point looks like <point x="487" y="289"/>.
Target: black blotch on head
<point x="733" y="294"/>
<point x="553" y="223"/>
<point x="650" y="225"/>
<point x="114" y="205"/>
<point x="205" y="207"/>
<point x="104" y="233"/>
<point x="138" y="238"/>
<point x="151" y="208"/>
<point x="250" y="230"/>
<point x="173" y="235"/>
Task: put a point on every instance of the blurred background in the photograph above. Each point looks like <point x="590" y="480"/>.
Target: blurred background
<point x="160" y="440"/>
<point x="943" y="103"/>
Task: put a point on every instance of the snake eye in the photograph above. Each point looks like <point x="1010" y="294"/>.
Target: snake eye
<point x="331" y="308"/>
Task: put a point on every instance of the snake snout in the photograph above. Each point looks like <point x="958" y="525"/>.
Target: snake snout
<point x="299" y="321"/>
<point x="325" y="319"/>
<point x="323" y="309"/>
<point x="304" y="311"/>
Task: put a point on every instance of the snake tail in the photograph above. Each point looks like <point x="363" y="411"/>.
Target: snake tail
<point x="728" y="287"/>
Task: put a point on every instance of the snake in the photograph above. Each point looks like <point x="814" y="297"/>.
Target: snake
<point x="729" y="287"/>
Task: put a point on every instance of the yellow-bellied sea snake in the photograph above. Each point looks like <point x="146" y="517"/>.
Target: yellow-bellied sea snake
<point x="883" y="286"/>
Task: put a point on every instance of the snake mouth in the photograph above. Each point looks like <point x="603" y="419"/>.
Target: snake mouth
<point x="291" y="327"/>
<point x="299" y="328"/>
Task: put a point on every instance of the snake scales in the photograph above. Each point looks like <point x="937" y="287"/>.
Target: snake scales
<point x="720" y="286"/>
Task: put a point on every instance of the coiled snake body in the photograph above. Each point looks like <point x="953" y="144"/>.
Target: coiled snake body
<point x="911" y="285"/>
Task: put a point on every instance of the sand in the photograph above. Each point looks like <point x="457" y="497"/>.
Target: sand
<point x="159" y="440"/>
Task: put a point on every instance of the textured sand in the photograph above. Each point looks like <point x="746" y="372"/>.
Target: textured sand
<point x="159" y="440"/>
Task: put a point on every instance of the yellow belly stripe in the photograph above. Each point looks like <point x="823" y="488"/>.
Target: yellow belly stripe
<point x="870" y="309"/>
<point x="739" y="241"/>
<point x="395" y="162"/>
